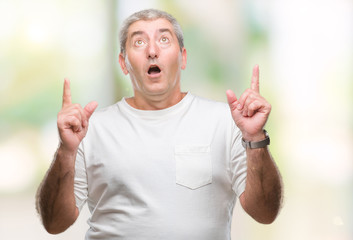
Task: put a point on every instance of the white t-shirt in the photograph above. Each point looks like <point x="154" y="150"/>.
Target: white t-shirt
<point x="168" y="174"/>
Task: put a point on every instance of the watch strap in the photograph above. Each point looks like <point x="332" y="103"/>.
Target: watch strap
<point x="259" y="144"/>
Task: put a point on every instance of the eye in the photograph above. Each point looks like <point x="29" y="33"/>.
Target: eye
<point x="139" y="43"/>
<point x="164" y="40"/>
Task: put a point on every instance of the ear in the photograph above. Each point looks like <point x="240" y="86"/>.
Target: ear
<point x="123" y="64"/>
<point x="183" y="58"/>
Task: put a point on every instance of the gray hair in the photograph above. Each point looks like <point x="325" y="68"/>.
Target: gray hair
<point x="149" y="14"/>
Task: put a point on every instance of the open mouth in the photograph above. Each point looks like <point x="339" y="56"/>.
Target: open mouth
<point x="154" y="70"/>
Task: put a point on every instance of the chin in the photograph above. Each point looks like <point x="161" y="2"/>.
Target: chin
<point x="157" y="90"/>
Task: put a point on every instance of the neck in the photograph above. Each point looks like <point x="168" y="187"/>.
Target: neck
<point x="156" y="102"/>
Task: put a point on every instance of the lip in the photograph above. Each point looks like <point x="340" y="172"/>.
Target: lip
<point x="154" y="74"/>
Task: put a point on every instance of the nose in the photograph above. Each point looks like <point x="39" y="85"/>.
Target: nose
<point x="152" y="50"/>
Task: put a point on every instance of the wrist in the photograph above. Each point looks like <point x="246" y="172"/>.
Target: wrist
<point x="64" y="161"/>
<point x="254" y="137"/>
<point x="66" y="152"/>
<point x="258" y="141"/>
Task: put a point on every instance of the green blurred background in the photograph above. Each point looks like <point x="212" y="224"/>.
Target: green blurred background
<point x="305" y="53"/>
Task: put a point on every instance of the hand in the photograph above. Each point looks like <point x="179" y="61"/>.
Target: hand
<point x="73" y="120"/>
<point x="251" y="111"/>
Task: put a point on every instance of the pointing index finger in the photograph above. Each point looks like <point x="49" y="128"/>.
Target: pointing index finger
<point x="67" y="93"/>
<point x="255" y="85"/>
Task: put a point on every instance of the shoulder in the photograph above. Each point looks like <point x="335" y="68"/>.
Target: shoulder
<point x="102" y="121"/>
<point x="105" y="114"/>
<point x="211" y="111"/>
<point x="210" y="105"/>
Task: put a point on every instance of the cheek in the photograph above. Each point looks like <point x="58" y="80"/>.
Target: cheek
<point x="133" y="65"/>
<point x="177" y="63"/>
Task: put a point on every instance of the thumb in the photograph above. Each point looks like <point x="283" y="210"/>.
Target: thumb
<point x="232" y="99"/>
<point x="90" y="108"/>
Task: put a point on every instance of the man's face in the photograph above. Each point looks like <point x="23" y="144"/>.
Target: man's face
<point x="153" y="58"/>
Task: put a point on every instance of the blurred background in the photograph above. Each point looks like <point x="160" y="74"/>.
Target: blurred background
<point x="305" y="52"/>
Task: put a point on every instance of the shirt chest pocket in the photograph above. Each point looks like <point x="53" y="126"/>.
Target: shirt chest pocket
<point x="193" y="166"/>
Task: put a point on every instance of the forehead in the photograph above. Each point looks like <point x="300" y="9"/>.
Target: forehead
<point x="150" y="26"/>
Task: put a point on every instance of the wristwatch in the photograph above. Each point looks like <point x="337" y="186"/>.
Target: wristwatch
<point x="260" y="144"/>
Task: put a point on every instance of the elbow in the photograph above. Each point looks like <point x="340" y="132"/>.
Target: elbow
<point x="268" y="219"/>
<point x="50" y="224"/>
<point x="262" y="213"/>
<point x="267" y="214"/>
<point x="59" y="224"/>
<point x="263" y="217"/>
<point x="55" y="228"/>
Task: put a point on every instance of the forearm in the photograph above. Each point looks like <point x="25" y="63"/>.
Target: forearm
<point x="263" y="192"/>
<point x="55" y="197"/>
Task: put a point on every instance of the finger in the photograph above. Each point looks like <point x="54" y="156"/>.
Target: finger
<point x="242" y="99"/>
<point x="90" y="108"/>
<point x="79" y="113"/>
<point x="247" y="104"/>
<point x="253" y="97"/>
<point x="253" y="108"/>
<point x="232" y="100"/>
<point x="76" y="126"/>
<point x="73" y="110"/>
<point x="255" y="85"/>
<point x="73" y="123"/>
<point x="231" y="97"/>
<point x="67" y="93"/>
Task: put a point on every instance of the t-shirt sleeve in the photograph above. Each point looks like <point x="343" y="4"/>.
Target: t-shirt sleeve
<point x="80" y="183"/>
<point x="238" y="165"/>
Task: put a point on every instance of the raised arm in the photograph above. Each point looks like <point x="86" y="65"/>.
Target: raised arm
<point x="55" y="199"/>
<point x="262" y="197"/>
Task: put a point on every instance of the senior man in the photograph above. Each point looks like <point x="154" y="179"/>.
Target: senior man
<point x="162" y="164"/>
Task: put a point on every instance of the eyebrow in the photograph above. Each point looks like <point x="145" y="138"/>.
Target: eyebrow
<point x="136" y="33"/>
<point x="162" y="30"/>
